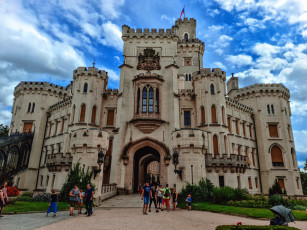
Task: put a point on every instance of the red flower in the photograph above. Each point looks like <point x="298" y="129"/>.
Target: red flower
<point x="12" y="191"/>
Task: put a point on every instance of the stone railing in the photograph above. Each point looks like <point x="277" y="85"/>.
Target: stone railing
<point x="236" y="163"/>
<point x="108" y="191"/>
<point x="57" y="162"/>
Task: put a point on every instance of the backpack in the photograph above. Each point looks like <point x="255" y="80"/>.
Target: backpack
<point x="166" y="193"/>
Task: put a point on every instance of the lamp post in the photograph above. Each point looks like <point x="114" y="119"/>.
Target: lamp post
<point x="100" y="161"/>
<point x="176" y="162"/>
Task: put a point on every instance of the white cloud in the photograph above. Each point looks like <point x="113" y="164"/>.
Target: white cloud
<point x="216" y="28"/>
<point x="5" y="117"/>
<point x="219" y="65"/>
<point x="168" y="19"/>
<point x="300" y="141"/>
<point x="112" y="36"/>
<point x="222" y="42"/>
<point x="240" y="60"/>
<point x="111" y="7"/>
<point x="111" y="73"/>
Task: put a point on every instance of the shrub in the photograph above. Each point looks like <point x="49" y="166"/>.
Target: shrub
<point x="300" y="207"/>
<point x="12" y="191"/>
<point x="249" y="204"/>
<point x="276" y="189"/>
<point x="27" y="194"/>
<point x="224" y="194"/>
<point x="279" y="200"/>
<point x="25" y="198"/>
<point x="43" y="197"/>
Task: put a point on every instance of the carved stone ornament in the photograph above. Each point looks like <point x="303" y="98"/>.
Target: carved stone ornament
<point x="149" y="61"/>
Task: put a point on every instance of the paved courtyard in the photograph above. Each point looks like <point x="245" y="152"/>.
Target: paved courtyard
<point x="124" y="212"/>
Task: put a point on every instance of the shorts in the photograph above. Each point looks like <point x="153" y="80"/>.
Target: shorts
<point x="159" y="199"/>
<point x="146" y="199"/>
<point x="5" y="200"/>
<point x="73" y="203"/>
<point x="189" y="203"/>
<point x="165" y="201"/>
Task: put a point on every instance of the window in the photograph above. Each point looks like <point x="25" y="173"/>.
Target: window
<point x="239" y="150"/>
<point x="188" y="62"/>
<point x="138" y="101"/>
<point x="27" y="127"/>
<point x="212" y="89"/>
<point x="289" y="132"/>
<point x="253" y="157"/>
<point x="82" y="114"/>
<point x="293" y="157"/>
<point x="243" y="128"/>
<point x="73" y="113"/>
<point x="93" y="120"/>
<point x="246" y="154"/>
<point x="56" y="127"/>
<point x="186" y="77"/>
<point x="18" y="180"/>
<point x="225" y="143"/>
<point x="110" y="118"/>
<point x="29" y="108"/>
<point x="12" y="158"/>
<point x="298" y="182"/>
<point x="157" y="100"/>
<point x="281" y="183"/>
<point x="223" y="115"/>
<point x="276" y="154"/>
<point x="203" y="116"/>
<point x="33" y="107"/>
<point x="229" y="124"/>
<point x="250" y="131"/>
<point x="144" y="100"/>
<point x="272" y="109"/>
<point x="186" y="37"/>
<point x="63" y="124"/>
<point x="250" y="186"/>
<point x="221" y="181"/>
<point x="47" y="180"/>
<point x="268" y="109"/>
<point x="213" y="114"/>
<point x="237" y="127"/>
<point x="50" y="128"/>
<point x="42" y="179"/>
<point x="190" y="77"/>
<point x="256" y="182"/>
<point x="286" y="111"/>
<point x="273" y="130"/>
<point x="187" y="118"/>
<point x="151" y="100"/>
<point x="215" y="145"/>
<point x="85" y="88"/>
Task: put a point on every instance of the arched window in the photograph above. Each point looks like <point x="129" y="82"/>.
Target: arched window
<point x="276" y="154"/>
<point x="73" y="114"/>
<point x="186" y="77"/>
<point x="215" y="145"/>
<point x="190" y="78"/>
<point x="144" y="100"/>
<point x="138" y="101"/>
<point x="212" y="89"/>
<point x="29" y="108"/>
<point x="93" y="120"/>
<point x="293" y="157"/>
<point x="272" y="109"/>
<point x="225" y="143"/>
<point x="24" y="156"/>
<point x="157" y="100"/>
<point x="213" y="114"/>
<point x="203" y="115"/>
<point x="33" y="107"/>
<point x="186" y="37"/>
<point x="2" y="160"/>
<point x="82" y="113"/>
<point x="12" y="158"/>
<point x="268" y="109"/>
<point x="151" y="100"/>
<point x="223" y="115"/>
<point x="85" y="88"/>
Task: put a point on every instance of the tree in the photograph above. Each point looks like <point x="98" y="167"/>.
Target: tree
<point x="4" y="130"/>
<point x="275" y="189"/>
<point x="304" y="178"/>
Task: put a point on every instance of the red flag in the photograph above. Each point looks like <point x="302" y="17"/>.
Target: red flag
<point x="182" y="12"/>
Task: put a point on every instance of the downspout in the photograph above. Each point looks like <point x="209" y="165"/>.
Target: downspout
<point x="40" y="158"/>
<point x="259" y="171"/>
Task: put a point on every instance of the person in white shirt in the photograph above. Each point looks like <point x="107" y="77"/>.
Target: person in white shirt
<point x="159" y="195"/>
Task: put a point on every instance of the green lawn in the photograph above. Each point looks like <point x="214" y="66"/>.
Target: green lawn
<point x="248" y="212"/>
<point x="26" y="206"/>
<point x="253" y="227"/>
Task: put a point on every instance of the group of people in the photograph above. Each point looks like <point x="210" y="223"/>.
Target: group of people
<point x="76" y="198"/>
<point x="160" y="197"/>
<point x="3" y="197"/>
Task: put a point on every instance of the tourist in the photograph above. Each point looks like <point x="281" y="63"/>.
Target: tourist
<point x="146" y="195"/>
<point x="89" y="200"/>
<point x="53" y="204"/>
<point x="174" y="198"/>
<point x="80" y="201"/>
<point x="189" y="202"/>
<point x="74" y="194"/>
<point x="2" y="202"/>
<point x="140" y="189"/>
<point x="159" y="195"/>
<point x="5" y="196"/>
<point x="166" y="196"/>
<point x="153" y="198"/>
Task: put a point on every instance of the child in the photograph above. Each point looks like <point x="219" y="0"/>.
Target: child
<point x="80" y="201"/>
<point x="189" y="202"/>
<point x="53" y="203"/>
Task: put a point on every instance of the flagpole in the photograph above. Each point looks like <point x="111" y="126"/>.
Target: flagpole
<point x="184" y="11"/>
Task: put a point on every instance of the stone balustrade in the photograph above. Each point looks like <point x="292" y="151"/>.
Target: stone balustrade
<point x="236" y="163"/>
<point x="57" y="162"/>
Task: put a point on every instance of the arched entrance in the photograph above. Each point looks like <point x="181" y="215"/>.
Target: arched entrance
<point x="141" y="154"/>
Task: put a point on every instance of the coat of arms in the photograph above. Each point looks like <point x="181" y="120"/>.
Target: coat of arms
<point x="149" y="60"/>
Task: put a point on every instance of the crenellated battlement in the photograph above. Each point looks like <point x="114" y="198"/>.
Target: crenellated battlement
<point x="184" y="92"/>
<point x="207" y="72"/>
<point x="90" y="71"/>
<point x="155" y="33"/>
<point x="191" y="42"/>
<point x="60" y="104"/>
<point x="111" y="92"/>
<point x="40" y="86"/>
<point x="238" y="105"/>
<point x="185" y="21"/>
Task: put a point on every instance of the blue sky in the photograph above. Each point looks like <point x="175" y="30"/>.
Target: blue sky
<point x="262" y="41"/>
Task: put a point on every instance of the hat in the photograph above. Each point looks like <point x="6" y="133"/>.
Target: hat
<point x="189" y="195"/>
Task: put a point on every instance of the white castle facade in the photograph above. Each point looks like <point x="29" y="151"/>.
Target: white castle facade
<point x="166" y="101"/>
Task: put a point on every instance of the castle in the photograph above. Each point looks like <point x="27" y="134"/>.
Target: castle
<point x="166" y="103"/>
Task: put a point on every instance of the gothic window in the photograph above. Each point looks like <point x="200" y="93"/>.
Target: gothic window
<point x="203" y="116"/>
<point x="215" y="145"/>
<point x="190" y="78"/>
<point x="229" y="124"/>
<point x="138" y="101"/>
<point x="293" y="157"/>
<point x="63" y="123"/>
<point x="144" y="100"/>
<point x="12" y="158"/>
<point x="151" y="100"/>
<point x="237" y="127"/>
<point x="187" y="118"/>
<point x="268" y="109"/>
<point x="239" y="150"/>
<point x="225" y="143"/>
<point x="250" y="131"/>
<point x="110" y="118"/>
<point x="223" y="115"/>
<point x="73" y="113"/>
<point x="256" y="182"/>
<point x="243" y="128"/>
<point x="186" y="37"/>
<point x="253" y="157"/>
<point x="56" y="127"/>
<point x="29" y="108"/>
<point x="93" y="119"/>
<point x="276" y="154"/>
<point x="213" y="114"/>
<point x="186" y="77"/>
<point x="82" y="113"/>
<point x="250" y="186"/>
<point x="33" y="107"/>
<point x="2" y="160"/>
<point x="157" y="100"/>
<point x="272" y="109"/>
<point x="212" y="89"/>
<point x="24" y="156"/>
<point x="50" y="128"/>
<point x="273" y="130"/>
<point x="85" y="88"/>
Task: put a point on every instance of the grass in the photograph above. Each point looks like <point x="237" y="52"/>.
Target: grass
<point x="252" y="227"/>
<point x="26" y="206"/>
<point x="248" y="212"/>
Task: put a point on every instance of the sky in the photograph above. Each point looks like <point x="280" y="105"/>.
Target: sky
<point x="260" y="41"/>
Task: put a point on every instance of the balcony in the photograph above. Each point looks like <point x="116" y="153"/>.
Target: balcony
<point x="57" y="162"/>
<point x="236" y="163"/>
<point x="147" y="122"/>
